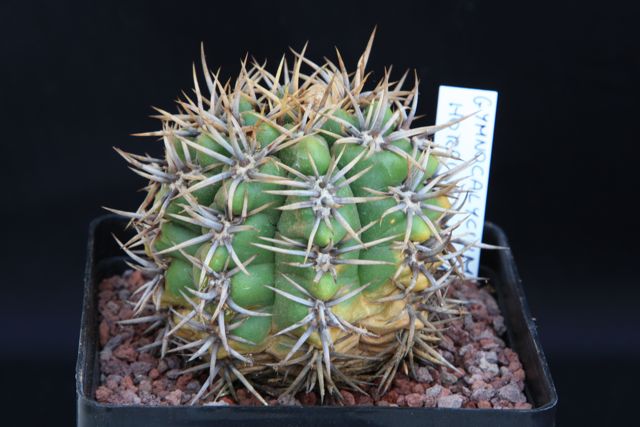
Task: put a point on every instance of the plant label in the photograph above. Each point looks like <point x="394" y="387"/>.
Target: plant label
<point x="468" y="139"/>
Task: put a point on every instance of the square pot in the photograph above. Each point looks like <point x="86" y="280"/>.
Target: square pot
<point x="104" y="259"/>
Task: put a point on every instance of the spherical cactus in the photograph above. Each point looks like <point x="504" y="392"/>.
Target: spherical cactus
<point x="296" y="232"/>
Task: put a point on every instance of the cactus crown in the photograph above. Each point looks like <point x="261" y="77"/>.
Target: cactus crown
<point x="296" y="234"/>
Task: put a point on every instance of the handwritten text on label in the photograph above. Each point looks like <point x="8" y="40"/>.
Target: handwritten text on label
<point x="468" y="139"/>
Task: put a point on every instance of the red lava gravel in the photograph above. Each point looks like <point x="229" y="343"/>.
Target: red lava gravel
<point x="491" y="375"/>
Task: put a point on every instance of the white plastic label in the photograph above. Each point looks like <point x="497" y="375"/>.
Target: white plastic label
<point x="467" y="139"/>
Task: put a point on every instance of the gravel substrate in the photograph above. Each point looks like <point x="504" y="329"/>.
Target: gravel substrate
<point x="491" y="373"/>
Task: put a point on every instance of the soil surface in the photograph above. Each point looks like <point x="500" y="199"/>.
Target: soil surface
<point x="491" y="375"/>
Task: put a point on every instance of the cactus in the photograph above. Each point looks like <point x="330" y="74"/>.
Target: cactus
<point x="296" y="233"/>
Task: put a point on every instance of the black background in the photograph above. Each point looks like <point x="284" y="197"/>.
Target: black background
<point x="78" y="78"/>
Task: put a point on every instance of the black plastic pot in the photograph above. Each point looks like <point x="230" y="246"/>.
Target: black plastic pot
<point x="104" y="259"/>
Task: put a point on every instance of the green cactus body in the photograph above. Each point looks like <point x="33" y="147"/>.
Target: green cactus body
<point x="295" y="220"/>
